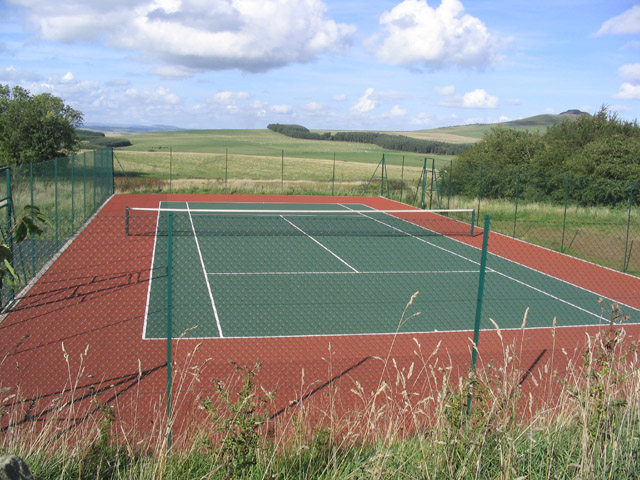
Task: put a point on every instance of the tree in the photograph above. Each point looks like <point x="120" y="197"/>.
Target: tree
<point x="34" y="128"/>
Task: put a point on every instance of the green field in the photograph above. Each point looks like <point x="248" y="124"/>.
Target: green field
<point x="269" y="144"/>
<point x="262" y="161"/>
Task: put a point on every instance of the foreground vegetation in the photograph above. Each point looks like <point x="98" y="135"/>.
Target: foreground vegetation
<point x="579" y="417"/>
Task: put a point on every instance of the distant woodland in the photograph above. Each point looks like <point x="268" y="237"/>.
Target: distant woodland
<point x="383" y="140"/>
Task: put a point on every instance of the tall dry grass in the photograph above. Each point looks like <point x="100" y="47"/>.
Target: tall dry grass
<point x="580" y="418"/>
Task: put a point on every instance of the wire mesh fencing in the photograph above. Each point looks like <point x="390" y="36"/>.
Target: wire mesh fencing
<point x="68" y="191"/>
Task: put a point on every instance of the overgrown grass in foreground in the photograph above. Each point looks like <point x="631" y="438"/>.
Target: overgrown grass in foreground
<point x="588" y="428"/>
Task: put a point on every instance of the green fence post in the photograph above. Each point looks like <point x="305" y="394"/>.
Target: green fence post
<point x="402" y="179"/>
<point x="95" y="191"/>
<point x="73" y="228"/>
<point x="33" y="237"/>
<point x="424" y="184"/>
<point x="333" y="176"/>
<point x="9" y="208"/>
<point x="566" y="200"/>
<point x="476" y="327"/>
<point x="169" y="326"/>
<point x="625" y="262"/>
<point x="84" y="182"/>
<point x="55" y="176"/>
<point x="226" y="169"/>
<point x="515" y="215"/>
<point x="479" y="192"/>
<point x="450" y="178"/>
<point x="382" y="176"/>
<point x="433" y="173"/>
<point x="282" y="174"/>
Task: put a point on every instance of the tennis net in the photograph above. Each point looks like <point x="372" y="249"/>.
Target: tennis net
<point x="297" y="222"/>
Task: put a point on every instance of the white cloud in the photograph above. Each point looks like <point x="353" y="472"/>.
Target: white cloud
<point x="628" y="91"/>
<point x="479" y="98"/>
<point x="230" y="98"/>
<point x="630" y="72"/>
<point x="627" y="23"/>
<point x="250" y="35"/>
<point x="445" y="91"/>
<point x="365" y="103"/>
<point x="341" y="97"/>
<point x="282" y="109"/>
<point x="14" y="75"/>
<point x="314" y="106"/>
<point x="417" y="34"/>
<point x="398" y="111"/>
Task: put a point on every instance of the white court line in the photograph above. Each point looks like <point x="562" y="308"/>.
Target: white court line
<point x="153" y="261"/>
<point x="323" y="246"/>
<point x="491" y="270"/>
<point x="204" y="271"/>
<point x="382" y="272"/>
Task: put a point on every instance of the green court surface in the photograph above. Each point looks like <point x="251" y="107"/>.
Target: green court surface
<point x="298" y="274"/>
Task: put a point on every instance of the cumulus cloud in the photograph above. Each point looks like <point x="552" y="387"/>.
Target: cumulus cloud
<point x="398" y="111"/>
<point x="630" y="72"/>
<point x="479" y="98"/>
<point x="628" y="91"/>
<point x="419" y="35"/>
<point x="341" y="97"/>
<point x="365" y="103"/>
<point x="626" y="23"/>
<point x="250" y="35"/>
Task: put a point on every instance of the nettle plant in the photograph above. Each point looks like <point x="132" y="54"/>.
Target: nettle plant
<point x="30" y="223"/>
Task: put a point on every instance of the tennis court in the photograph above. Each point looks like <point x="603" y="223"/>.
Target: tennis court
<point x="279" y="270"/>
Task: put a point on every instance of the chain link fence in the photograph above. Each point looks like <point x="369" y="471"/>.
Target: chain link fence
<point x="68" y="191"/>
<point x="153" y="318"/>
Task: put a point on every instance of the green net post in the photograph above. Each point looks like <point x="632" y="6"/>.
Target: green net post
<point x="476" y="327"/>
<point x="169" y="326"/>
<point x="126" y="221"/>
<point x="515" y="215"/>
<point x="282" y="173"/>
<point x="473" y="221"/>
<point x="170" y="169"/>
<point x="333" y="176"/>
<point x="625" y="262"/>
<point x="564" y="220"/>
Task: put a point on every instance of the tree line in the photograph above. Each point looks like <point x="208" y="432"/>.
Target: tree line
<point x="34" y="128"/>
<point x="383" y="140"/>
<point x="591" y="160"/>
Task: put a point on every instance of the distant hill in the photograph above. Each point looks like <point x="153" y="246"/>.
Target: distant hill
<point x="129" y="129"/>
<point x="475" y="132"/>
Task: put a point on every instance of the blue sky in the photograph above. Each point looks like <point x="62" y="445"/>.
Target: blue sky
<point x="324" y="64"/>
